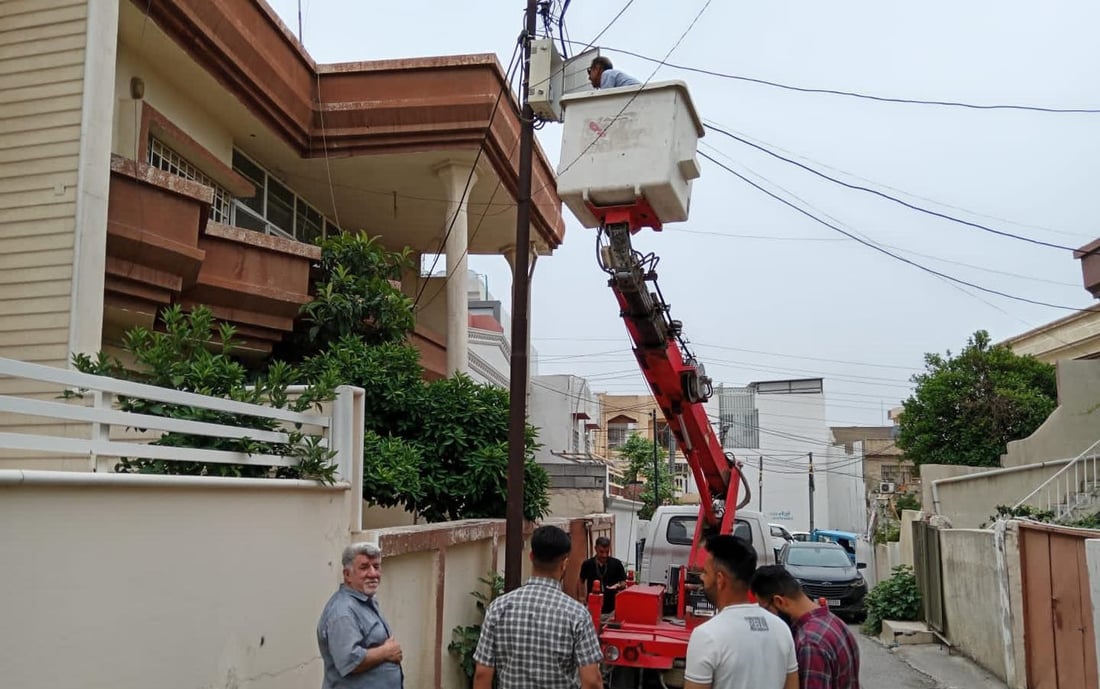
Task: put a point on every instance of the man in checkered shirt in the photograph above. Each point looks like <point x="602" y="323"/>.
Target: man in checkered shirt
<point x="828" y="653"/>
<point x="537" y="637"/>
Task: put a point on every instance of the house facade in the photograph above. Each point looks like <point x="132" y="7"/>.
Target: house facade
<point x="188" y="152"/>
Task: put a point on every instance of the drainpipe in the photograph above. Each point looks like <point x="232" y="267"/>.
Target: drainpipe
<point x="999" y="529"/>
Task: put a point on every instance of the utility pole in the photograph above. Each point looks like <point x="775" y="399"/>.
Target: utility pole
<point x="760" y="486"/>
<point x="521" y="289"/>
<point x="811" y="492"/>
<point x="656" y="468"/>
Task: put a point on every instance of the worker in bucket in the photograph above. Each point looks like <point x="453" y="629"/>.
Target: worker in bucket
<point x="603" y="76"/>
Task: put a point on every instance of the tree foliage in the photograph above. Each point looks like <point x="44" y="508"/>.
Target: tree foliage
<point x="186" y="355"/>
<point x="966" y="408"/>
<point x="438" y="449"/>
<point x="639" y="455"/>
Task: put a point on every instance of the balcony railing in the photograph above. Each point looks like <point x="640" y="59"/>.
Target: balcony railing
<point x="1074" y="486"/>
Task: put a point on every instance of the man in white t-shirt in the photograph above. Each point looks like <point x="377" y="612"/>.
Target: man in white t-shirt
<point x="743" y="646"/>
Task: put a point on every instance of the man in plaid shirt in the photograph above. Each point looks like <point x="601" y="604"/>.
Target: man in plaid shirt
<point x="828" y="654"/>
<point x="538" y="637"/>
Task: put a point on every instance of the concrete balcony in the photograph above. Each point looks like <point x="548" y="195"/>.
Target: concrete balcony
<point x="162" y="249"/>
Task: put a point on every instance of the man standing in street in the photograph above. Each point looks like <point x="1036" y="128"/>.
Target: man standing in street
<point x="353" y="637"/>
<point x="743" y="646"/>
<point x="603" y="76"/>
<point x="537" y="636"/>
<point x="607" y="570"/>
<point x="828" y="654"/>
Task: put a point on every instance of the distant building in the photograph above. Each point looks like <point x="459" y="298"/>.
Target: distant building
<point x="624" y="415"/>
<point x="1076" y="336"/>
<point x="773" y="428"/>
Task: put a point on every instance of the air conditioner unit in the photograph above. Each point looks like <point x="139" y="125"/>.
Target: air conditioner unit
<point x="886" y="487"/>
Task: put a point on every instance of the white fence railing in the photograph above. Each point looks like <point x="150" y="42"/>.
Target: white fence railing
<point x="341" y="431"/>
<point x="1076" y="485"/>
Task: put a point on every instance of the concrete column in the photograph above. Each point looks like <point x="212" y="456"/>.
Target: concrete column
<point x="454" y="176"/>
<point x="1092" y="558"/>
<point x="93" y="180"/>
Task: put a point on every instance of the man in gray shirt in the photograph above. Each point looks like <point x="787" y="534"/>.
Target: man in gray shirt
<point x="603" y="76"/>
<point x="353" y="637"/>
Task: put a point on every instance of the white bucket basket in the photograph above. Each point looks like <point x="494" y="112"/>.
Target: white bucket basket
<point x="629" y="142"/>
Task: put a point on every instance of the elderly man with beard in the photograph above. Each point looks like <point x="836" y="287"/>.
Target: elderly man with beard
<point x="352" y="635"/>
<point x="743" y="646"/>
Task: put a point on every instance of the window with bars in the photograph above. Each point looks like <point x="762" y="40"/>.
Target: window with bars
<point x="739" y="418"/>
<point x="275" y="208"/>
<point x="162" y="157"/>
<point x="619" y="431"/>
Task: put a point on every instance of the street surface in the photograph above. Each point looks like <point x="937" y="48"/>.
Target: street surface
<point x="881" y="668"/>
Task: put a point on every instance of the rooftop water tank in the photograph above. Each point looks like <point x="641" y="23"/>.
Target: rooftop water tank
<point x="628" y="142"/>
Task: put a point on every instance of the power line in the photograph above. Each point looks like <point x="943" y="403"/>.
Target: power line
<point x="871" y="245"/>
<point x="879" y="245"/>
<point x="909" y="193"/>
<point x="888" y="197"/>
<point x="856" y="94"/>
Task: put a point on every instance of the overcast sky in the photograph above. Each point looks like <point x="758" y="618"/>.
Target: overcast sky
<point x="767" y="293"/>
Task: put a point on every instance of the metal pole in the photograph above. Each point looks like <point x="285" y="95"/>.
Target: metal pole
<point x="760" y="486"/>
<point x="811" y="492"/>
<point x="521" y="288"/>
<point x="656" y="468"/>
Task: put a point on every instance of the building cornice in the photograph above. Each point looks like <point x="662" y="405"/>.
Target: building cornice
<point x="386" y="106"/>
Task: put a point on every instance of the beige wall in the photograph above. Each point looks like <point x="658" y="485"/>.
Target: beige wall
<point x="162" y="94"/>
<point x="56" y="64"/>
<point x="41" y="86"/>
<point x="976" y="624"/>
<point x="934" y="472"/>
<point x="1074" y="425"/>
<point x="575" y="502"/>
<point x="115" y="583"/>
<point x="970" y="502"/>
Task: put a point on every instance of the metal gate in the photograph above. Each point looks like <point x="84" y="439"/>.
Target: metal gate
<point x="1058" y="628"/>
<point x="929" y="571"/>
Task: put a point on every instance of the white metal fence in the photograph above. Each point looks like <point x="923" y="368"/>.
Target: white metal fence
<point x="341" y="430"/>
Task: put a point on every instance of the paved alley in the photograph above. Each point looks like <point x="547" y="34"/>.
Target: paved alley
<point x="918" y="667"/>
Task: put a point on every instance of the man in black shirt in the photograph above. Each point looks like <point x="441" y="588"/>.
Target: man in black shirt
<point x="607" y="570"/>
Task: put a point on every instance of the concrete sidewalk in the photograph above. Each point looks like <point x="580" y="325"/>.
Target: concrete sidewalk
<point x="949" y="670"/>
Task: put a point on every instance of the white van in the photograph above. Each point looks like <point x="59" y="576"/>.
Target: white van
<point x="668" y="537"/>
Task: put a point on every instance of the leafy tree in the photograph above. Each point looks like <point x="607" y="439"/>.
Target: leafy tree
<point x="967" y="408"/>
<point x="438" y="449"/>
<point x="639" y="455"/>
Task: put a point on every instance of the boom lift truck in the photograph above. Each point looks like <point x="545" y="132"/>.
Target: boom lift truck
<point x="627" y="162"/>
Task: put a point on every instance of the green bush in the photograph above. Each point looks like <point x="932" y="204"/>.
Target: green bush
<point x="888" y="532"/>
<point x="464" y="638"/>
<point x="896" y="598"/>
<point x="907" y="501"/>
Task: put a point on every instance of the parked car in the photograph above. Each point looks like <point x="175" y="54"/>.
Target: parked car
<point x="779" y="536"/>
<point x="845" y="539"/>
<point x="800" y="536"/>
<point x="825" y="571"/>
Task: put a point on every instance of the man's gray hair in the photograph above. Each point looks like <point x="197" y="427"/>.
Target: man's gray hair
<point x="371" y="550"/>
<point x="603" y="542"/>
